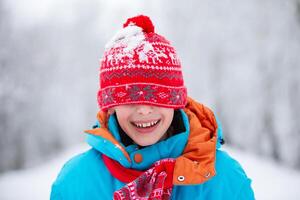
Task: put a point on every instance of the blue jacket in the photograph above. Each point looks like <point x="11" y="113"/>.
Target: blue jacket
<point x="86" y="177"/>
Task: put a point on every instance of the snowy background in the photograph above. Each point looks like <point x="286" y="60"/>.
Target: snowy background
<point x="241" y="58"/>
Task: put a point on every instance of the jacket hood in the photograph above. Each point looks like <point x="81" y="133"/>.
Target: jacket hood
<point x="194" y="149"/>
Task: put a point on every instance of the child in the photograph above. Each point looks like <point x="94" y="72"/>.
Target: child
<point x="151" y="141"/>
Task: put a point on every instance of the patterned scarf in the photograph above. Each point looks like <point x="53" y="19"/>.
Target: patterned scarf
<point x="154" y="183"/>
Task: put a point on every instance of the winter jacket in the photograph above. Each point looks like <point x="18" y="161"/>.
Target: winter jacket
<point x="202" y="170"/>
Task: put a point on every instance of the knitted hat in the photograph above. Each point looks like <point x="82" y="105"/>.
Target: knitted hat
<point x="140" y="67"/>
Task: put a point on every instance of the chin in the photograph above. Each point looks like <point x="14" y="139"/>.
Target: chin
<point x="143" y="143"/>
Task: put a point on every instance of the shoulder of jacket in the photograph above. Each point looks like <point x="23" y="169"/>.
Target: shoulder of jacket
<point x="231" y="173"/>
<point x="230" y="181"/>
<point x="228" y="166"/>
<point x="246" y="191"/>
<point x="79" y="165"/>
<point x="74" y="173"/>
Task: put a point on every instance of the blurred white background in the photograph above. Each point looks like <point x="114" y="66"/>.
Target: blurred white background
<point x="241" y="58"/>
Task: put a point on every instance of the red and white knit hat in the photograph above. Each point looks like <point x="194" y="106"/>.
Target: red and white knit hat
<point x="140" y="67"/>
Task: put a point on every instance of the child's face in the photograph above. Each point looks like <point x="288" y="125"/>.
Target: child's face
<point x="144" y="124"/>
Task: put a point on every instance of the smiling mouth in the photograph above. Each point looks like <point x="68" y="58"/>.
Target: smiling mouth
<point x="145" y="125"/>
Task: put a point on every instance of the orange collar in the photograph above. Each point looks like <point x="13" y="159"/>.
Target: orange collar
<point x="197" y="163"/>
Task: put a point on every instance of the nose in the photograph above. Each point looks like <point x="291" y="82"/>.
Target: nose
<point x="144" y="109"/>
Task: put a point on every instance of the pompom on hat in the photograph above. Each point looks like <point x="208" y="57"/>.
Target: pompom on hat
<point x="140" y="67"/>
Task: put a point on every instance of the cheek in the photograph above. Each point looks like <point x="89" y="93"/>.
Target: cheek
<point x="122" y="120"/>
<point x="169" y="116"/>
<point x="168" y="123"/>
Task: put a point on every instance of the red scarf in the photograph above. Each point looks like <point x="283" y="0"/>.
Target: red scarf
<point x="154" y="183"/>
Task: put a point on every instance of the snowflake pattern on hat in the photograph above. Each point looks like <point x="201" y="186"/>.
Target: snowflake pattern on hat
<point x="107" y="96"/>
<point x="143" y="93"/>
<point x="136" y="91"/>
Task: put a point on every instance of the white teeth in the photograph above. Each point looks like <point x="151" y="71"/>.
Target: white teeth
<point x="144" y="125"/>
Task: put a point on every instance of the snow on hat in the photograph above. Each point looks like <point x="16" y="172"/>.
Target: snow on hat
<point x="140" y="67"/>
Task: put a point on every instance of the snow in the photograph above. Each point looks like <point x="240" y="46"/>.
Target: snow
<point x="34" y="183"/>
<point x="125" y="42"/>
<point x="270" y="180"/>
<point x="129" y="37"/>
